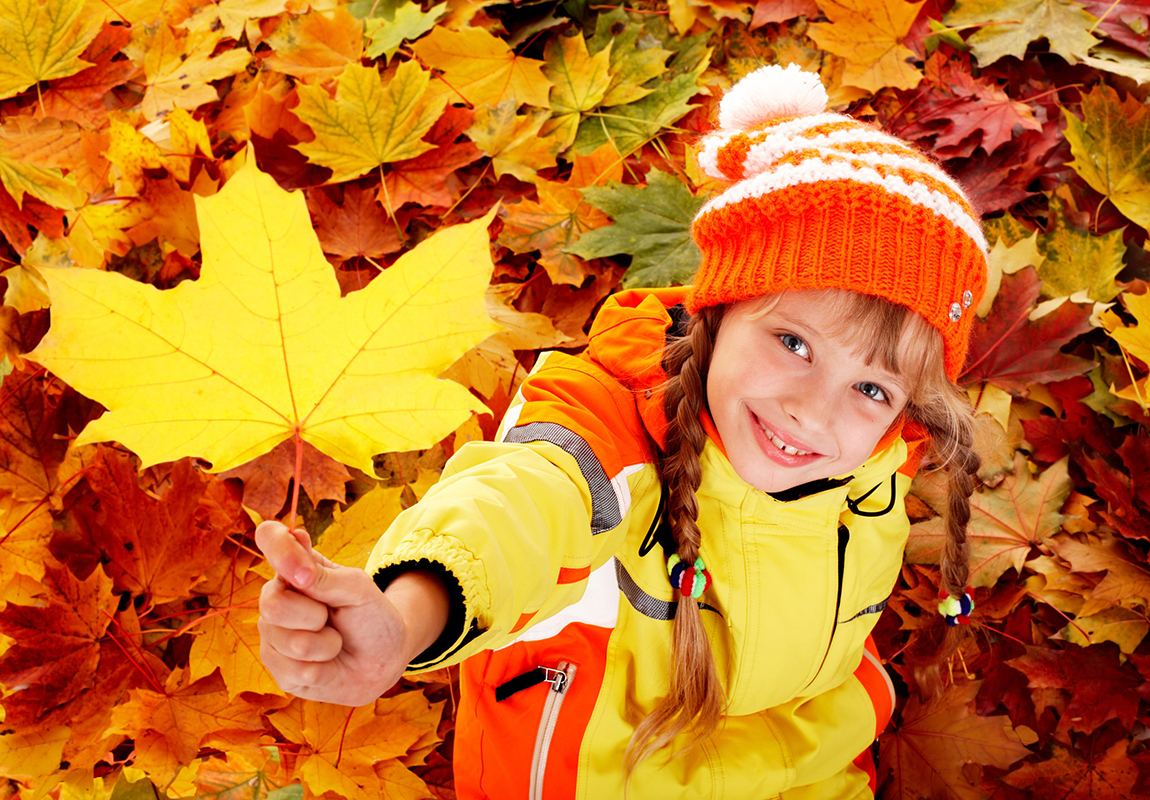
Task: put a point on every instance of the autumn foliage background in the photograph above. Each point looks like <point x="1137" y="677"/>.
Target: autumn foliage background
<point x="129" y="577"/>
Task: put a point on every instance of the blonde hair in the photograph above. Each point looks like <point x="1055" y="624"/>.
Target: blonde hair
<point x="899" y="340"/>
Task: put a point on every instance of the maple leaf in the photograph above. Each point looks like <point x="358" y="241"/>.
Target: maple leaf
<point x="157" y="549"/>
<point x="927" y="751"/>
<point x="339" y="745"/>
<point x="317" y="46"/>
<point x="262" y="347"/>
<point x="492" y="362"/>
<point x="561" y="215"/>
<point x="1078" y="261"/>
<point x="34" y="753"/>
<point x="869" y="36"/>
<point x="179" y="70"/>
<point x="57" y="647"/>
<point x="1005" y="523"/>
<point x="1011" y="350"/>
<point x="430" y="179"/>
<point x="1121" y="626"/>
<point x="1111" y="148"/>
<point x="266" y="478"/>
<point x="1074" y="774"/>
<point x="482" y="69"/>
<point x="513" y="141"/>
<point x="41" y="41"/>
<point x="227" y="637"/>
<point x="1006" y="29"/>
<point x="407" y="22"/>
<point x="1100" y="687"/>
<point x="580" y="84"/>
<point x="349" y="222"/>
<point x="368" y="123"/>
<point x="636" y="58"/>
<point x="1134" y="340"/>
<point x="354" y="533"/>
<point x="80" y="97"/>
<point x="25" y="530"/>
<point x="170" y="725"/>
<point x="652" y="224"/>
<point x="30" y="453"/>
<point x="27" y="156"/>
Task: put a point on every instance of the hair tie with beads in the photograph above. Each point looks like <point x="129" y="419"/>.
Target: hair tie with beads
<point x="956" y="610"/>
<point x="691" y="581"/>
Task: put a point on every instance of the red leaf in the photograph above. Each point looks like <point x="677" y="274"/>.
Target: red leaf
<point x="1070" y="776"/>
<point x="1010" y="351"/>
<point x="429" y="179"/>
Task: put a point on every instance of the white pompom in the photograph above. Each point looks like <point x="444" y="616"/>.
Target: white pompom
<point x="771" y="92"/>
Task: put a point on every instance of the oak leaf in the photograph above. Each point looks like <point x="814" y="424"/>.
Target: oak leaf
<point x="430" y="179"/>
<point x="1005" y="523"/>
<point x="57" y="647"/>
<point x="929" y="749"/>
<point x="41" y="41"/>
<point x="267" y="478"/>
<point x="482" y="69"/>
<point x="652" y="225"/>
<point x="870" y="37"/>
<point x="1006" y="29"/>
<point x="178" y="71"/>
<point x="262" y="347"/>
<point x="369" y="122"/>
<point x="1111" y="148"/>
<point x="1010" y="349"/>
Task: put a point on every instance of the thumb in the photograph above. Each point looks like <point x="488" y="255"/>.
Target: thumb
<point x="286" y="552"/>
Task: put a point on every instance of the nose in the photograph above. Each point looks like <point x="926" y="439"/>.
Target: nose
<point x="811" y="404"/>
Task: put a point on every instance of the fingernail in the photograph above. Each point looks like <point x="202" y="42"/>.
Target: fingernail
<point x="302" y="576"/>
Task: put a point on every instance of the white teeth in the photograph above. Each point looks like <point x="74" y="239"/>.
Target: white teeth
<point x="786" y="448"/>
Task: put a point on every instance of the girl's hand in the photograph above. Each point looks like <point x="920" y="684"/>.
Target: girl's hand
<point x="328" y="633"/>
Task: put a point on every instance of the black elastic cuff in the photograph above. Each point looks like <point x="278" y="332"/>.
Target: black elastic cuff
<point x="457" y="611"/>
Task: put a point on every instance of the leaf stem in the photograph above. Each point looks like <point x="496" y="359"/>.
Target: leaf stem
<point x="296" y="480"/>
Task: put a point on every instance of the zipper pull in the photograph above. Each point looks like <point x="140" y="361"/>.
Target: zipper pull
<point x="556" y="677"/>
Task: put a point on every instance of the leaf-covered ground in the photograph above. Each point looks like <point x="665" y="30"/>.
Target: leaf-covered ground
<point x="128" y="128"/>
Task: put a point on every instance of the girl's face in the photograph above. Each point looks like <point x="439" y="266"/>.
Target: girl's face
<point x="791" y="402"/>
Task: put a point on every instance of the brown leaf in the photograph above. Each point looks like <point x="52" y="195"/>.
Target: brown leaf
<point x="349" y="222"/>
<point x="1071" y="774"/>
<point x="267" y="478"/>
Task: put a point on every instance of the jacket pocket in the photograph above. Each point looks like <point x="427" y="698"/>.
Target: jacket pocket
<point x="557" y="681"/>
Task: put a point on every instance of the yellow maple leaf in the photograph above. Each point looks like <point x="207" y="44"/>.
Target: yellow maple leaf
<point x="483" y="69"/>
<point x="262" y="347"/>
<point x="317" y="46"/>
<point x="368" y="123"/>
<point x="581" y="82"/>
<point x="41" y="40"/>
<point x="514" y="141"/>
<point x="179" y="70"/>
<point x="25" y="530"/>
<point x="869" y="35"/>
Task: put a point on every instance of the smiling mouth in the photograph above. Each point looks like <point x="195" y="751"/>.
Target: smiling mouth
<point x="780" y="444"/>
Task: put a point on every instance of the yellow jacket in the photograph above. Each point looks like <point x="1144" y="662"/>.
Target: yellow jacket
<point x="563" y="609"/>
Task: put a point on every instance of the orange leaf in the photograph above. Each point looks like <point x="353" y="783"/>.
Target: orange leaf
<point x="349" y="222"/>
<point x="429" y="179"/>
<point x="482" y="69"/>
<point x="57" y="648"/>
<point x="317" y="46"/>
<point x="80" y="97"/>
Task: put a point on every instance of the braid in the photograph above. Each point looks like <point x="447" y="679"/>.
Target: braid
<point x="695" y="697"/>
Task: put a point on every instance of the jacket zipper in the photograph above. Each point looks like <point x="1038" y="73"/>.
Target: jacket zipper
<point x="844" y="538"/>
<point x="559" y="680"/>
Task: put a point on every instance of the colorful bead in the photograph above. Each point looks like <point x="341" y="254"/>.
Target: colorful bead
<point x="956" y="610"/>
<point x="690" y="580"/>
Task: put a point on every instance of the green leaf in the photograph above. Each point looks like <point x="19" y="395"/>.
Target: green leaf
<point x="1111" y="148"/>
<point x="652" y="225"/>
<point x="1007" y="28"/>
<point x="408" y="23"/>
<point x="1077" y="260"/>
<point x="636" y="57"/>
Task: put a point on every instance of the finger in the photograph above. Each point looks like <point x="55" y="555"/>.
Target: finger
<point x="340" y="586"/>
<point x="285" y="553"/>
<point x="283" y="606"/>
<point x="296" y="677"/>
<point x="304" y="646"/>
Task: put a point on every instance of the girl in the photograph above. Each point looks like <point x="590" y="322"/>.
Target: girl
<point x="664" y="574"/>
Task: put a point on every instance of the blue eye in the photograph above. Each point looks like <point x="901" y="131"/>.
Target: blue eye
<point x="873" y="391"/>
<point x="795" y="345"/>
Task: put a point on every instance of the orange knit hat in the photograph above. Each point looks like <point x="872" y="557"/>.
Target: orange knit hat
<point x="824" y="201"/>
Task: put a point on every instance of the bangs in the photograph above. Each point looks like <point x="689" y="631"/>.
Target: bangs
<point x="888" y="334"/>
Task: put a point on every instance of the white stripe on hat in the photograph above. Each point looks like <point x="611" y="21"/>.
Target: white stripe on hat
<point x="815" y="170"/>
